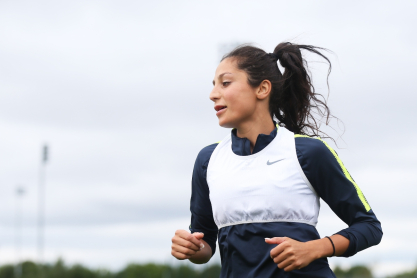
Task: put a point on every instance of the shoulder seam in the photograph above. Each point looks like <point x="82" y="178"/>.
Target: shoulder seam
<point x="304" y="136"/>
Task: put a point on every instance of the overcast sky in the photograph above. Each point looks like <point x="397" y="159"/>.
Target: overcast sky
<point x="119" y="90"/>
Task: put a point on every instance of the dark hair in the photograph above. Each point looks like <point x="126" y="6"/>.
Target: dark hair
<point x="293" y="100"/>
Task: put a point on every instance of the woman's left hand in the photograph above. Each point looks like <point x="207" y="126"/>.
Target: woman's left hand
<point x="291" y="254"/>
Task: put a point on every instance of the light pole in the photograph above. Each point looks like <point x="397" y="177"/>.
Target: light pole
<point x="41" y="203"/>
<point x="20" y="191"/>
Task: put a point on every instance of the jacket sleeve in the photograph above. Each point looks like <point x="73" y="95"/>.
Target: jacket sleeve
<point x="333" y="183"/>
<point x="201" y="211"/>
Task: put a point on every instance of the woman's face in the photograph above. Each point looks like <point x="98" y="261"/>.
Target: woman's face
<point x="234" y="99"/>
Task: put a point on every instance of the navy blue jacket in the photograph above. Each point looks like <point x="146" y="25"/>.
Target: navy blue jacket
<point x="243" y="250"/>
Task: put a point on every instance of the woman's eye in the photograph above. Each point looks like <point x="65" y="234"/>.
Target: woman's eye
<point x="226" y="83"/>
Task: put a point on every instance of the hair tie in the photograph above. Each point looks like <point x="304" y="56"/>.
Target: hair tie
<point x="334" y="249"/>
<point x="279" y="53"/>
<point x="273" y="56"/>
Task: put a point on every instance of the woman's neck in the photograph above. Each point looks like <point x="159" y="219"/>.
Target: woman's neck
<point x="252" y="129"/>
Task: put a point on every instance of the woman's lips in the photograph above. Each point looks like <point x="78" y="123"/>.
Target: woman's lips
<point x="220" y="109"/>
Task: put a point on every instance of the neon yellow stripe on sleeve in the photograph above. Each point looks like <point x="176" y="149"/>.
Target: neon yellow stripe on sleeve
<point x="345" y="171"/>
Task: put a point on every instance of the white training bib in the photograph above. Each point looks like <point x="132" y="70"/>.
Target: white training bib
<point x="269" y="186"/>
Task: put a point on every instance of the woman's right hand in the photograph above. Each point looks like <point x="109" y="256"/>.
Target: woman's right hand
<point x="186" y="245"/>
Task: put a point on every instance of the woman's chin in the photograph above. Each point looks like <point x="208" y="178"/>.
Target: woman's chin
<point x="225" y="124"/>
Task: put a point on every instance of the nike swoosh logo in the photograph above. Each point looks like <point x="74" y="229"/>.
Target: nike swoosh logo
<point x="270" y="163"/>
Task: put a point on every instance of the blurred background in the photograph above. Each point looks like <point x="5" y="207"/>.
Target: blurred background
<point x="117" y="93"/>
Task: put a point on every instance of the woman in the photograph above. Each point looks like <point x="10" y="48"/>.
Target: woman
<point x="257" y="191"/>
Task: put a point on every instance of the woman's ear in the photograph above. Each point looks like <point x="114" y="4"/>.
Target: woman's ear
<point x="264" y="89"/>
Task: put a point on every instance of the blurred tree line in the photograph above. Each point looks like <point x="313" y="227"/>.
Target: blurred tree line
<point x="60" y="270"/>
<point x="358" y="271"/>
<point x="410" y="274"/>
<point x="361" y="271"/>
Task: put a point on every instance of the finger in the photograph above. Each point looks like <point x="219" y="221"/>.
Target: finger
<point x="191" y="238"/>
<point x="288" y="252"/>
<point x="283" y="256"/>
<point x="275" y="240"/>
<point x="291" y="267"/>
<point x="179" y="255"/>
<point x="276" y="251"/>
<point x="284" y="263"/>
<point x="183" y="250"/>
<point x="198" y="235"/>
<point x="280" y="258"/>
<point x="184" y="243"/>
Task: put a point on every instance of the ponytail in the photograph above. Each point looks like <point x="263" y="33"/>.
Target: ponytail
<point x="293" y="99"/>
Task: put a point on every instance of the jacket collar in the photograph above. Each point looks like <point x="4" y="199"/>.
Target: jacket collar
<point x="241" y="146"/>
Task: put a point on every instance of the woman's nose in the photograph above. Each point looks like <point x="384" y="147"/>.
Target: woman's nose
<point x="214" y="94"/>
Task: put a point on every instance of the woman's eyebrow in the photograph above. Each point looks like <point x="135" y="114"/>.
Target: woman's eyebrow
<point x="220" y="76"/>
